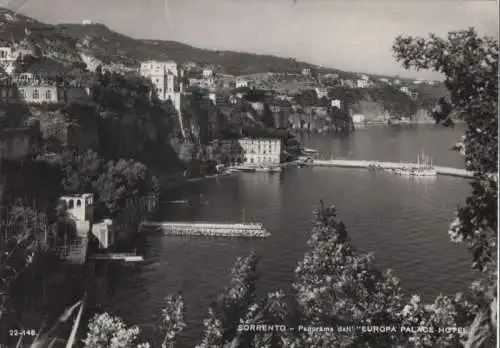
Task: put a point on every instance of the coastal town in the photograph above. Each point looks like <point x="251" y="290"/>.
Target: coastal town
<point x="122" y="156"/>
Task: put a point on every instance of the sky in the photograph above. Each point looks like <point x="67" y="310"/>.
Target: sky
<point x="354" y="35"/>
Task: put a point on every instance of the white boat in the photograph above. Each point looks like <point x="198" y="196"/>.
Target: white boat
<point x="422" y="168"/>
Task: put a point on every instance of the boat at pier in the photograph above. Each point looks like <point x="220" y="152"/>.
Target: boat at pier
<point x="268" y="169"/>
<point x="422" y="168"/>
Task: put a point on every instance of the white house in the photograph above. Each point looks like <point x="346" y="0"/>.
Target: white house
<point x="396" y="82"/>
<point x="261" y="151"/>
<point x="321" y="92"/>
<point x="362" y="83"/>
<point x="306" y="71"/>
<point x="240" y="83"/>
<point x="208" y="73"/>
<point x="336" y="102"/>
<point x="405" y="89"/>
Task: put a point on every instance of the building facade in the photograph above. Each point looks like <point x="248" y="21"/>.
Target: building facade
<point x="167" y="80"/>
<point x="261" y="151"/>
<point x="241" y="83"/>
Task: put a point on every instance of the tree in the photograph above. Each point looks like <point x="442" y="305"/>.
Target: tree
<point x="106" y="331"/>
<point x="267" y="116"/>
<point x="470" y="65"/>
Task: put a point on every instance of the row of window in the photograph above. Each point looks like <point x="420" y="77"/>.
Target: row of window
<point x="36" y="94"/>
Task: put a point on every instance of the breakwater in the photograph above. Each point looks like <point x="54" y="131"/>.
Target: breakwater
<point x="388" y="165"/>
<point x="245" y="230"/>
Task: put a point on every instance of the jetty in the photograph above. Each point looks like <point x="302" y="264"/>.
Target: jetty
<point x="206" y="229"/>
<point x="449" y="171"/>
<point x="127" y="257"/>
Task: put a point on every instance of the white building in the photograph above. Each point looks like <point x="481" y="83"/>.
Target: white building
<point x="104" y="233"/>
<point x="364" y="77"/>
<point x="396" y="82"/>
<point x="87" y="22"/>
<point x="80" y="207"/>
<point x="405" y="89"/>
<point x="240" y="83"/>
<point x="336" y="102"/>
<point x="213" y="97"/>
<point x="261" y="151"/>
<point x="166" y="77"/>
<point x="321" y="93"/>
<point x="306" y="71"/>
<point x="7" y="54"/>
<point x="358" y="118"/>
<point x="362" y="83"/>
<point x="208" y="73"/>
<point x="384" y="80"/>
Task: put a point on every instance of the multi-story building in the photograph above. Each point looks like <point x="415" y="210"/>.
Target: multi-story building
<point x="166" y="78"/>
<point x="306" y="71"/>
<point x="261" y="151"/>
<point x="27" y="89"/>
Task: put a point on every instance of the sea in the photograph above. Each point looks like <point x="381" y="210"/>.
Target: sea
<point x="402" y="221"/>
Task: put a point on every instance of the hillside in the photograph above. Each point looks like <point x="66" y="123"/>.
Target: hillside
<point x="66" y="43"/>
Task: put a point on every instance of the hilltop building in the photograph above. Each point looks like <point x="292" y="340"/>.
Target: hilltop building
<point x="167" y="80"/>
<point x="306" y="71"/>
<point x="261" y="151"/>
<point x="166" y="77"/>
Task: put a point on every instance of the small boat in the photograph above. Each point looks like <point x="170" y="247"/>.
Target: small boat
<point x="248" y="169"/>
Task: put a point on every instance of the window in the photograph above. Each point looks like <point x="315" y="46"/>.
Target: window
<point x="48" y="94"/>
<point x="71" y="204"/>
<point x="36" y="94"/>
<point x="21" y="93"/>
<point x="78" y="203"/>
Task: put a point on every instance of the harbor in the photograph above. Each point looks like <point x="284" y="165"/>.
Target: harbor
<point x="206" y="229"/>
<point x="448" y="171"/>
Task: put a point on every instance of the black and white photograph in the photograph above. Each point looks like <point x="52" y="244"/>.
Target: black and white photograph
<point x="249" y="173"/>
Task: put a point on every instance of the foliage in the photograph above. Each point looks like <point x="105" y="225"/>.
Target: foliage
<point x="267" y="117"/>
<point x="113" y="183"/>
<point x="106" y="331"/>
<point x="225" y="314"/>
<point x="470" y="64"/>
<point x="172" y="319"/>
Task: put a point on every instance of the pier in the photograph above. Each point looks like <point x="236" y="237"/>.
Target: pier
<point x="462" y="173"/>
<point x="244" y="230"/>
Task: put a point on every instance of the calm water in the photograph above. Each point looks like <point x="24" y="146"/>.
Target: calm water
<point x="402" y="220"/>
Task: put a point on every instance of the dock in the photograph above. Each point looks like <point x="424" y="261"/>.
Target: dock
<point x="127" y="257"/>
<point x="449" y="171"/>
<point x="206" y="229"/>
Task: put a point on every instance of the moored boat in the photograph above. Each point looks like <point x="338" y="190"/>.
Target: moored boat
<point x="422" y="168"/>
